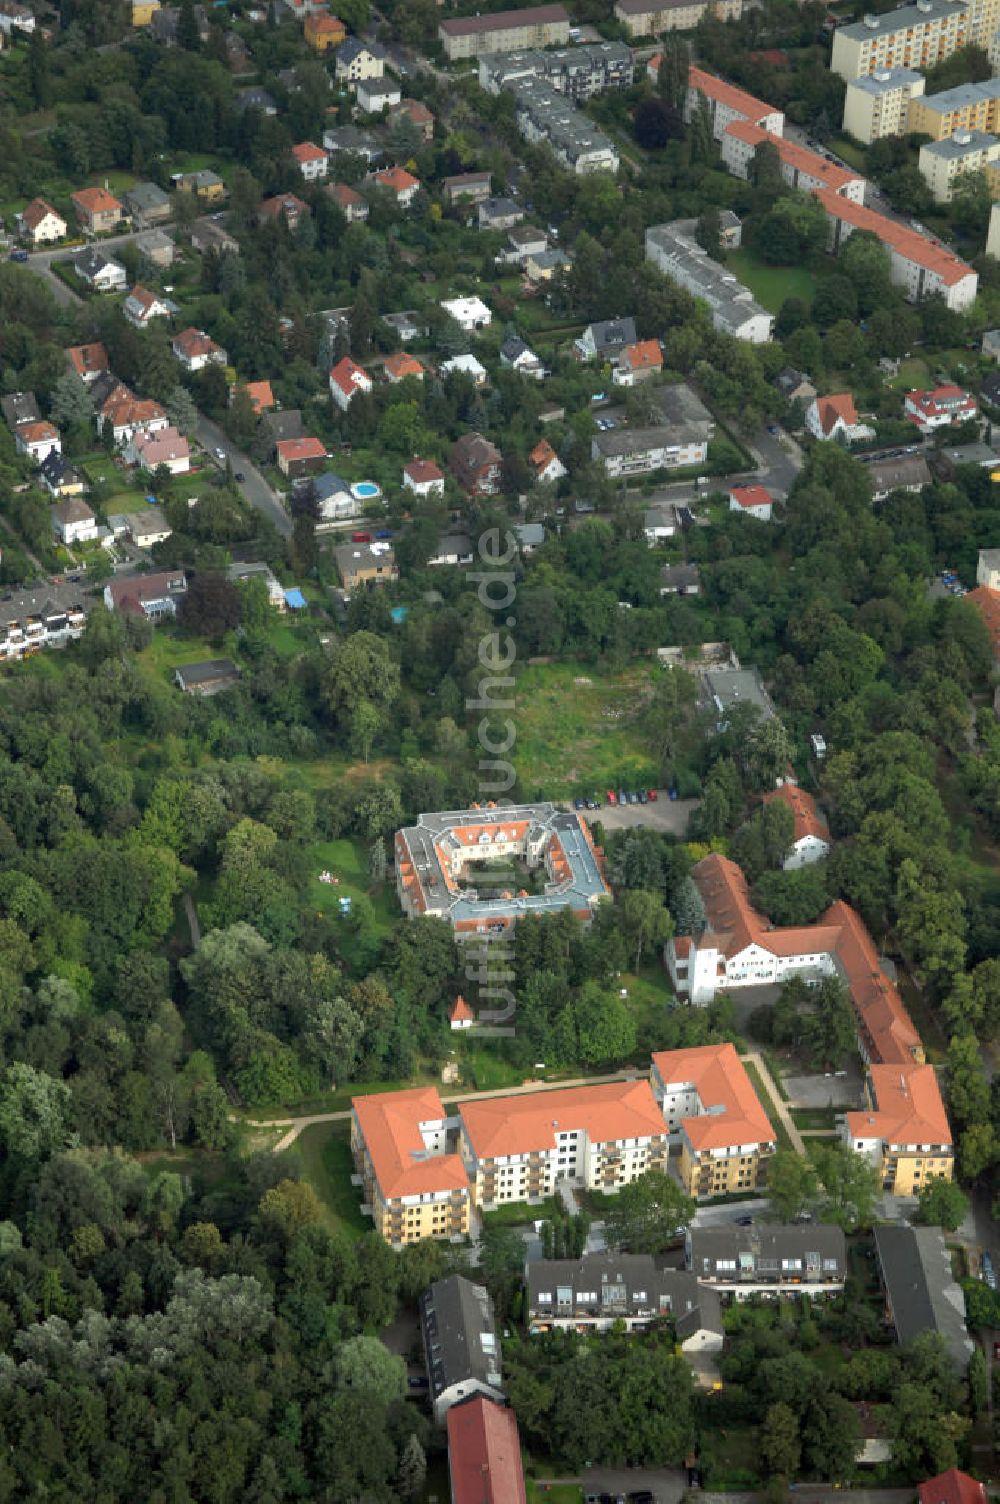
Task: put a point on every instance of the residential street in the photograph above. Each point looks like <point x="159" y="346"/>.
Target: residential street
<point x="254" y="487"/>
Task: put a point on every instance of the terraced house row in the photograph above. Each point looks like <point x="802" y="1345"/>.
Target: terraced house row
<point x="423" y="1171"/>
<point x="904" y="1129"/>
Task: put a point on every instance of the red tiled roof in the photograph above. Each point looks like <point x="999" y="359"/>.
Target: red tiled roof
<point x="194" y="342"/>
<point x="987" y="603"/>
<point x="810" y="162"/>
<point x="95" y="200"/>
<point x="32" y="433"/>
<point x="527" y="1124"/>
<point x="346" y="196"/>
<point x="301" y="449"/>
<point x="260" y="394"/>
<point x="390" y="1125"/>
<point x="460" y="1011"/>
<point x="718" y="1076"/>
<point x="751" y="496"/>
<point x="906" y="242"/>
<point x="36" y="211"/>
<point x="88" y="359"/>
<point x="307" y="152"/>
<point x="422" y="471"/>
<point x="543" y="454"/>
<point x="401" y="365"/>
<point x="350" y="377"/>
<point x="952" y="1487"/>
<point x="484" y="1454"/>
<point x="728" y="94"/>
<point x="808" y="820"/>
<point x="838" y="405"/>
<point x="908" y="1107"/>
<point x="282" y="203"/>
<point x="396" y="178"/>
<point x="646" y="355"/>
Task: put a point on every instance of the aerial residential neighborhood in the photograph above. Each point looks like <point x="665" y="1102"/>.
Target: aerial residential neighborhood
<point x="499" y="752"/>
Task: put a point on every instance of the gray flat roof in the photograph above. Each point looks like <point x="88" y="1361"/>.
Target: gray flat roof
<point x="905" y="18"/>
<point x="963" y="96"/>
<point x="737" y="686"/>
<point x="885" y="82"/>
<point x="960" y="145"/>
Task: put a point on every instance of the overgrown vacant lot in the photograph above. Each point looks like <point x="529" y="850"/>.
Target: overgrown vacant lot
<point x="577" y="729"/>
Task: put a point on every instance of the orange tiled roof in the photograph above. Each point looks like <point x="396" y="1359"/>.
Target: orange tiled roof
<point x="36" y="211"/>
<point x="194" y="342"/>
<point x="718" y="1076"/>
<point x="915" y="247"/>
<point x="908" y="1107"/>
<point x="751" y="496"/>
<point x="543" y="454"/>
<point x="645" y="355"/>
<point x="987" y="603"/>
<point x="422" y="471"/>
<point x="95" y="200"/>
<point x="402" y="365"/>
<point x="460" y="1010"/>
<point x="350" y="377"/>
<point x="728" y="94"/>
<point x="301" y="449"/>
<point x="837" y="405"/>
<point x="527" y="1124"/>
<point x="31" y="433"/>
<point x="345" y="195"/>
<point x="397" y="178"/>
<point x="260" y="395"/>
<point x="85" y="359"/>
<point x="390" y="1125"/>
<point x="307" y="152"/>
<point x="800" y="157"/>
<point x="808" y="820"/>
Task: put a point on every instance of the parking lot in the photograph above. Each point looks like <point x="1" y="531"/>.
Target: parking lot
<point x="666" y="814"/>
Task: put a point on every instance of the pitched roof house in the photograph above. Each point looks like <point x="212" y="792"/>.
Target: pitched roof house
<point x="396" y="180"/>
<point x="835" y="417"/>
<point x="952" y="1487"/>
<point x="39" y="223"/>
<point x="810" y="832"/>
<point x="347" y="379"/>
<point x="141" y="307"/>
<point x="476" y="464"/>
<point x="399" y="366"/>
<point x="423" y="478"/>
<point x="638" y="362"/>
<point x="96" y="209"/>
<point x="88" y="361"/>
<point x="354" y="208"/>
<point x="484" y="1454"/>
<point x="545" y="463"/>
<point x="195" y="350"/>
<point x="461" y="1343"/>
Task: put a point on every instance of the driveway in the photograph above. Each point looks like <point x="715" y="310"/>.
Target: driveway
<point x="667" y="1484"/>
<point x="841" y="1090"/>
<point x="729" y="1212"/>
<point x="253" y="485"/>
<point x="670" y="815"/>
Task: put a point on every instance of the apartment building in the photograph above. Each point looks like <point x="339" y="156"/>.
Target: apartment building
<point x="904" y="1130"/>
<point x="800" y="168"/>
<point x="876" y="104"/>
<point x="673" y="249"/>
<point x="650" y="18"/>
<point x="913" y="36"/>
<point x="414" y="1185"/>
<point x="577" y="72"/>
<point x="810" y="832"/>
<point x="711" y="1110"/>
<point x="919" y="265"/>
<point x="601" y="1137"/>
<point x="727" y="104"/>
<point x="969" y="107"/>
<point x="29" y="623"/>
<point x="594" y="1293"/>
<point x="943" y="162"/>
<point x="504" y="31"/>
<point x="544" y="114"/>
<point x="941" y="408"/>
<point x="772" y="1259"/>
<point x="637" y="451"/>
<point x="461" y="1344"/>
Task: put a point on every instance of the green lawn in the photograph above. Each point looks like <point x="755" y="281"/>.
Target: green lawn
<point x="169" y="651"/>
<point x="814" y="1117"/>
<point x="324" y="1151"/>
<point x="346" y="861"/>
<point x="577" y="732"/>
<point x="781" y="1133"/>
<point x="556" y="1493"/>
<point x="913" y="372"/>
<point x="771" y="285"/>
<point x="519" y="1213"/>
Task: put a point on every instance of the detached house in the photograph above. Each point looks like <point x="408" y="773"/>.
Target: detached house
<point x="37" y="440"/>
<point x="401" y="184"/>
<point x="284" y="206"/>
<point x="638" y="362"/>
<point x="99" y="270"/>
<point x="357" y="59"/>
<point x="323" y="32"/>
<point x="148" y="203"/>
<point x="40" y="224"/>
<point x="353" y="207"/>
<point x="467" y="187"/>
<point x="127" y="415"/>
<point x="476" y="464"/>
<point x="141" y="307"/>
<point x="73" y="521"/>
<point x="88" y="361"/>
<point x="97" y="210"/>
<point x="154" y="596"/>
<point x="195" y="350"/>
<point x="165" y="446"/>
<point x="836" y="417"/>
<point x="469" y="313"/>
<point x="810" y="833"/>
<point x="300" y="456"/>
<point x="400" y="366"/>
<point x="943" y="407"/>
<point x="347" y="379"/>
<point x="377" y="94"/>
<point x="606" y="339"/>
<point x="423" y="478"/>
<point x="752" y="501"/>
<point x="417" y="113"/>
<point x="312" y="161"/>
<point x="545" y="464"/>
<point x="520" y="357"/>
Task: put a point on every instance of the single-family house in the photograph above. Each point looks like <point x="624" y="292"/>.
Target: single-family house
<point x="141" y="307"/>
<point x="19" y="407"/>
<point x="529" y="535"/>
<point x="400" y="366"/>
<point x="659" y="523"/>
<point x="154" y="596"/>
<point x="259" y="394"/>
<point x="256" y="97"/>
<point x="347" y="379"/>
<point x="334" y="499"/>
<point x="541" y="266"/>
<point x="148" y="527"/>
<point x="452" y="548"/>
<point x="374" y="95"/>
<point x="206" y="185"/>
<point x="605" y="339"/>
<point x="165" y="447"/>
<point x="417" y="113"/>
<point x="546" y="466"/>
<point x="241" y="574"/>
<point x="680" y="579"/>
<point x="88" y="361"/>
<point x="836" y="417"/>
<point x="59" y="477"/>
<point x="751" y="501"/>
<point x="156" y="247"/>
<point x="208" y="238"/>
<point x="499" y="214"/>
<point x="519" y="357"/>
<point x="99" y="271"/>
<point x="97" y="210"/>
<point x="357" y="60"/>
<point x="403" y="186"/>
<point x="282" y="423"/>
<point x="37" y="439"/>
<point x="469" y="313"/>
<point x="423" y="478"/>
<point x="952" y="1487"/>
<point x="300" y="456"/>
<point x="312" y="161"/>
<point x="353" y="139"/>
<point x="322" y="32"/>
<point x="408" y="325"/>
<point x="461" y="1343"/>
<point x="365" y="564"/>
<point x="904" y="472"/>
<point x="15" y="17"/>
<point x="286" y="206"/>
<point x="147" y="203"/>
<point x="944" y="407"/>
<point x="465" y="365"/>
<point x="73" y="521"/>
<point x="39" y="223"/>
<point x="810" y="832"/>
<point x="126" y="414"/>
<point x="476" y="464"/>
<point x="523" y="241"/>
<point x="638" y="362"/>
<point x="210" y="677"/>
<point x="467" y="188"/>
<point x="195" y="350"/>
<point x="350" y="202"/>
<point x="794" y="385"/>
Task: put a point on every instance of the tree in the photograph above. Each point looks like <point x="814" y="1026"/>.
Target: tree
<point x="780" y="1441"/>
<point x="501" y="1260"/>
<point x="412" y="1470"/>
<point x="71" y="402"/>
<point x="768" y="753"/>
<point x="645" y="921"/>
<point x="655" y="123"/>
<point x="850" y="1185"/>
<point x="792" y="1183"/>
<point x="648" y="1213"/>
<point x="211" y="607"/>
<point x="288" y="1207"/>
<point x="605" y="1026"/>
<point x="366" y="1366"/>
<point x="181" y="410"/>
<point x="360" y="668"/>
<point x="188" y="35"/>
<point x="34" y="1113"/>
<point x="942" y="1203"/>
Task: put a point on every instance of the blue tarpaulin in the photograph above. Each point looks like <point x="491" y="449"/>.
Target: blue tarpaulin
<point x="295" y="600"/>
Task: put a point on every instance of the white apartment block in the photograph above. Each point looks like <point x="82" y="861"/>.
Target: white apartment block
<point x="803" y="170"/>
<point x="727" y="104"/>
<point x="918" y="265"/>
<point x="942" y="163"/>
<point x="876" y="105"/>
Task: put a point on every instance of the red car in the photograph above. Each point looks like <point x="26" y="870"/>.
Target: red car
<point x="361" y="537"/>
<point x="653" y="795"/>
<point x="612" y="797"/>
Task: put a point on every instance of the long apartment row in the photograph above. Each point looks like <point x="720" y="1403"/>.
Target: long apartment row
<point x="740" y="123"/>
<point x="423" y="1171"/>
<point x="904" y="1129"/>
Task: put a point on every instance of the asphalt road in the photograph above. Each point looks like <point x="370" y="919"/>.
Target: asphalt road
<point x="254" y="487"/>
<point x="42" y="262"/>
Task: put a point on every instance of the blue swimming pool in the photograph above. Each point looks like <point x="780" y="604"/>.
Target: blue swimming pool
<point x="365" y="490"/>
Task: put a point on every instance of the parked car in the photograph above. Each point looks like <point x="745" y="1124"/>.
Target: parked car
<point x="643" y="797"/>
<point x="989" y="1273"/>
<point x="744" y="1221"/>
<point x="612" y="797"/>
<point x="19" y="255"/>
<point x="578" y="804"/>
<point x="361" y="537"/>
<point x="653" y="795"/>
<point x="240" y="476"/>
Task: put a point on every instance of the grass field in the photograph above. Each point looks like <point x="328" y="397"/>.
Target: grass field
<point x="324" y="1151"/>
<point x="815" y="1117"/>
<point x="557" y="1493"/>
<point x="771" y="285"/>
<point x="784" y="1142"/>
<point x="346" y="861"/>
<point x="577" y="730"/>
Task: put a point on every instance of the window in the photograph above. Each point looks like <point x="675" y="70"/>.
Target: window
<point x="544" y="1297"/>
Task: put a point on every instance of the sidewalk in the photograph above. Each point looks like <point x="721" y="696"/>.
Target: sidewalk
<point x="778" y="1104"/>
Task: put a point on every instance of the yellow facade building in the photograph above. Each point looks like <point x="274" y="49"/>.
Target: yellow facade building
<point x="709" y="1104"/>
<point x="413" y="1187"/>
<point x="969" y="107"/>
<point x="143" y="11"/>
